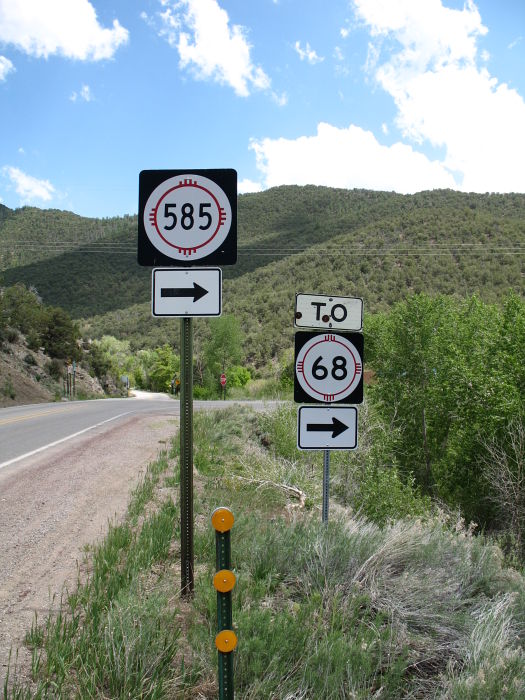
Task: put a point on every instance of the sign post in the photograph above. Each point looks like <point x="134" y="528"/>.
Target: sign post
<point x="328" y="370"/>
<point x="326" y="485"/>
<point x="186" y="456"/>
<point x="187" y="218"/>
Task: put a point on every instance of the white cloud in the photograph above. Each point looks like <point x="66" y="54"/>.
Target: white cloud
<point x="348" y="158"/>
<point x="28" y="187"/>
<point x="210" y="46"/>
<point x="308" y="54"/>
<point x="66" y="27"/>
<point x="6" y="67"/>
<point x="84" y="94"/>
<point x="246" y="185"/>
<point x="442" y="96"/>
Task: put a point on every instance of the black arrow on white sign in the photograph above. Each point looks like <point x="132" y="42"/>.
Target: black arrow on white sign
<point x="197" y="292"/>
<point x="337" y="427"/>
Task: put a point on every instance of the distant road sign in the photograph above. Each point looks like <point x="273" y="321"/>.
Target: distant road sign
<point x="187" y="217"/>
<point x="186" y="292"/>
<point x="320" y="311"/>
<point x="223" y="380"/>
<point x="327" y="428"/>
<point x="328" y="367"/>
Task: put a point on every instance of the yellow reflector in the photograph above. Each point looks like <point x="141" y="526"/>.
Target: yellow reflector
<point x="222" y="519"/>
<point x="226" y="640"/>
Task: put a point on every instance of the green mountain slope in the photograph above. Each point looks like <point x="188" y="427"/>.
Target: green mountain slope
<point x="377" y="245"/>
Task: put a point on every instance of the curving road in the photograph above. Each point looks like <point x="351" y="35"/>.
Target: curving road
<point x="28" y="430"/>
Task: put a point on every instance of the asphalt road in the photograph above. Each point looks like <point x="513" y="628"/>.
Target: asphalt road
<point x="28" y="430"/>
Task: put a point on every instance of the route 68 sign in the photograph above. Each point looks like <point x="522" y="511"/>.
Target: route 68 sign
<point x="328" y="368"/>
<point x="187" y="217"/>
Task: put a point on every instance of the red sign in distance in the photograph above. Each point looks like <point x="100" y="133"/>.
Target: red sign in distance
<point x="223" y="380"/>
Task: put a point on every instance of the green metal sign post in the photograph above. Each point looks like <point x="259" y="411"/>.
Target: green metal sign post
<point x="224" y="581"/>
<point x="186" y="456"/>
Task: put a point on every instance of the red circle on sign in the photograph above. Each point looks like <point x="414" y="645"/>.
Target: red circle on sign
<point x="326" y="386"/>
<point x="179" y="186"/>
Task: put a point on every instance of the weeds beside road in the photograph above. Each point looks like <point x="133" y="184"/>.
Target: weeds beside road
<point x="417" y="608"/>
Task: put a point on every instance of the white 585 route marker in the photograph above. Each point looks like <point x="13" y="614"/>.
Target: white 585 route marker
<point x="187" y="217"/>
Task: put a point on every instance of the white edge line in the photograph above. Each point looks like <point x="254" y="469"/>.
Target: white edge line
<point x="57" y="442"/>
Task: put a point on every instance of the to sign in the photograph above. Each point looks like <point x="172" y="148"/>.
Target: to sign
<point x="189" y="217"/>
<point x="223" y="380"/>
<point x="338" y="313"/>
<point x="328" y="367"/>
<point x="327" y="428"/>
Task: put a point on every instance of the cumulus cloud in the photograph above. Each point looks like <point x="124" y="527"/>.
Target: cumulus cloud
<point x="209" y="46"/>
<point x="83" y="94"/>
<point x="308" y="54"/>
<point x="28" y="187"/>
<point x="442" y="95"/>
<point x="348" y="158"/>
<point x="6" y="67"/>
<point x="68" y="28"/>
<point x="246" y="185"/>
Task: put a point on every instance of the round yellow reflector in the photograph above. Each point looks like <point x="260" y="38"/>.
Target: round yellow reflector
<point x="226" y="640"/>
<point x="224" y="581"/>
<point x="222" y="519"/>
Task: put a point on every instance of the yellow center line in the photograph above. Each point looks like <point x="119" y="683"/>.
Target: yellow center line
<point x="28" y="416"/>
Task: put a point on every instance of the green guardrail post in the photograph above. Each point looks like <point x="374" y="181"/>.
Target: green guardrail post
<point x="224" y="581"/>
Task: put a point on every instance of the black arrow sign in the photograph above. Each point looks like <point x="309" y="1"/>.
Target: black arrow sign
<point x="336" y="427"/>
<point x="197" y="292"/>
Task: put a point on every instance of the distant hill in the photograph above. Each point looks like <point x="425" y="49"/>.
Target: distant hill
<point x="378" y="245"/>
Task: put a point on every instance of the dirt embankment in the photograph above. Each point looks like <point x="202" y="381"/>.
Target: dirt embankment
<point x="25" y="376"/>
<point x="54" y="504"/>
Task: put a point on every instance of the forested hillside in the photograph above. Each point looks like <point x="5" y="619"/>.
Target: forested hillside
<point x="377" y="245"/>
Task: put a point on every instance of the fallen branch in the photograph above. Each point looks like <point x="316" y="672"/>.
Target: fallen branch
<point x="291" y="491"/>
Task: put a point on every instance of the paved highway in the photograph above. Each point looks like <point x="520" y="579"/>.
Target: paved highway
<point x="28" y="430"/>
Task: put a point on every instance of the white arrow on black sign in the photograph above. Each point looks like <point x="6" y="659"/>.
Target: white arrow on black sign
<point x="186" y="292"/>
<point x="327" y="428"/>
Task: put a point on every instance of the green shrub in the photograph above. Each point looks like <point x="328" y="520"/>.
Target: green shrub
<point x="55" y="369"/>
<point x="8" y="389"/>
<point x="383" y="497"/>
<point x="30" y="360"/>
<point x="238" y="376"/>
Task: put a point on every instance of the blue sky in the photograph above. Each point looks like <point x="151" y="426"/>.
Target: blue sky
<point x="401" y="95"/>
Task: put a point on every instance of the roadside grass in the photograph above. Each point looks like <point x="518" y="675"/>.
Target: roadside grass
<point x="416" y="607"/>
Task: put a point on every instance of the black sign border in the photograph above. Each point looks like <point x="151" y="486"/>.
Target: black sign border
<point x="300" y="395"/>
<point x="226" y="254"/>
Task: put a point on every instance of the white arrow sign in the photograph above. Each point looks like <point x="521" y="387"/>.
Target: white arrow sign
<point x="186" y="292"/>
<point x="327" y="428"/>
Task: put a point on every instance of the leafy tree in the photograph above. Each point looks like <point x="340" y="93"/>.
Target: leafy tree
<point x="22" y="308"/>
<point x="223" y="350"/>
<point x="61" y="335"/>
<point x="448" y="382"/>
<point x="238" y="376"/>
<point x="166" y="365"/>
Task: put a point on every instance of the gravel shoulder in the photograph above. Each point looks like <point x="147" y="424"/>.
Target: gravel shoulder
<point x="56" y="503"/>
